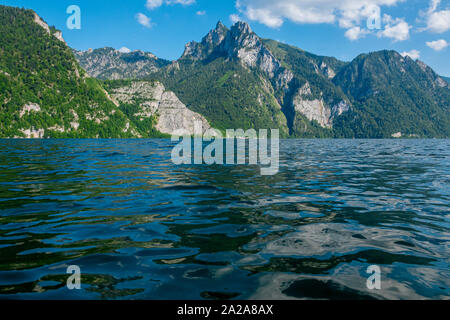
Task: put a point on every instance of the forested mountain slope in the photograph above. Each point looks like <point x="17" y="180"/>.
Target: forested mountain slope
<point x="43" y="90"/>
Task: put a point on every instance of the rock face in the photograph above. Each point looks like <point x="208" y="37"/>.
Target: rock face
<point x="246" y="46"/>
<point x="313" y="109"/>
<point x="209" y="43"/>
<point x="327" y="71"/>
<point x="339" y="109"/>
<point x="33" y="133"/>
<point x="30" y="107"/>
<point x="154" y="100"/>
<point x="316" y="109"/>
<point x="57" y="34"/>
<point x="108" y="63"/>
<point x="438" y="81"/>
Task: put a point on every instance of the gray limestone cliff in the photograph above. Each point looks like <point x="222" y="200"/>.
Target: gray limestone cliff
<point x="155" y="101"/>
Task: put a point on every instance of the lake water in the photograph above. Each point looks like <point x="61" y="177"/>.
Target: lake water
<point x="140" y="227"/>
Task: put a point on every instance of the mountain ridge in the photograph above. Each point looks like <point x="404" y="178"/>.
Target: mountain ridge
<point x="44" y="93"/>
<point x="43" y="90"/>
<point x="233" y="78"/>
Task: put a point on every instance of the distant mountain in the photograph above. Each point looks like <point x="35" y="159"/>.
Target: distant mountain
<point x="235" y="79"/>
<point x="393" y="95"/>
<point x="232" y="78"/>
<point x="108" y="63"/>
<point x="446" y="79"/>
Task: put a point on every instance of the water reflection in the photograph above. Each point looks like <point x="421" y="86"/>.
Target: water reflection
<point x="141" y="228"/>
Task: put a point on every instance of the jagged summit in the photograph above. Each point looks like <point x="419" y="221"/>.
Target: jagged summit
<point x="223" y="41"/>
<point x="216" y="36"/>
<point x="209" y="43"/>
<point x="109" y="63"/>
<point x="240" y="44"/>
<point x="242" y="27"/>
<point x="220" y="25"/>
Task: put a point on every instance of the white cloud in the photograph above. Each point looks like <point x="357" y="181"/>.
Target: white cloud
<point x="183" y="2"/>
<point x="264" y="16"/>
<point x="235" y="18"/>
<point x="201" y="13"/>
<point x="144" y="20"/>
<point x="433" y="5"/>
<point x="437" y="21"/>
<point x="397" y="29"/>
<point x="413" y="54"/>
<point x="438" y="45"/>
<point x="355" y="33"/>
<point x="353" y="15"/>
<point x="153" y="4"/>
<point x="124" y="50"/>
<point x="347" y="12"/>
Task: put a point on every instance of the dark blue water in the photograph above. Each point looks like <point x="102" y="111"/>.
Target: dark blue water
<point x="140" y="227"/>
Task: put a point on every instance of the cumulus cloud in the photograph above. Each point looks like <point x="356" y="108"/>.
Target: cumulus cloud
<point x="359" y="18"/>
<point x="143" y="20"/>
<point x="153" y="4"/>
<point x="438" y="45"/>
<point x="235" y="18"/>
<point x="183" y="2"/>
<point x="437" y="21"/>
<point x="355" y="33"/>
<point x="396" y="29"/>
<point x="347" y="12"/>
<point x="201" y="13"/>
<point x="413" y="54"/>
<point x="124" y="50"/>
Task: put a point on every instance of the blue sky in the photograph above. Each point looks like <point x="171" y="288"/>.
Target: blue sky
<point x="328" y="27"/>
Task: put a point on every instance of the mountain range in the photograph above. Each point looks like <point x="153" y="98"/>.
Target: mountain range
<point x="231" y="79"/>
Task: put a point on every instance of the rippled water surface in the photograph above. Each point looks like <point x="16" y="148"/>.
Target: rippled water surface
<point x="140" y="227"/>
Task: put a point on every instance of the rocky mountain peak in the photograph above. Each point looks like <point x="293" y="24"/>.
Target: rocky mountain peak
<point x="422" y="65"/>
<point x="246" y="46"/>
<point x="192" y="50"/>
<point x="221" y="26"/>
<point x="209" y="43"/>
<point x="241" y="27"/>
<point x="57" y="34"/>
<point x="215" y="37"/>
<point x="242" y="37"/>
<point x="225" y="42"/>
